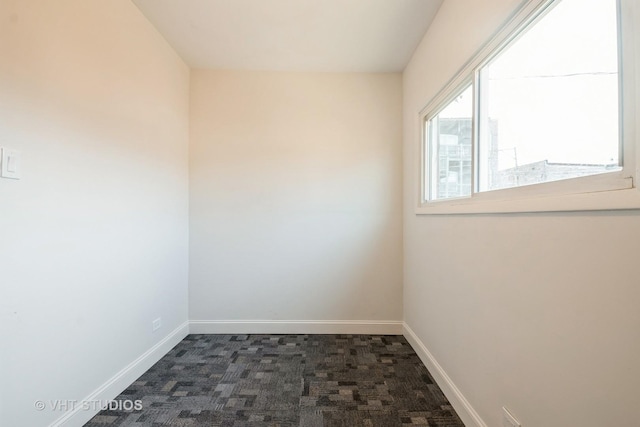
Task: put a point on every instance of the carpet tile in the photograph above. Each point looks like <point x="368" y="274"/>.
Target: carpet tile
<point x="286" y="381"/>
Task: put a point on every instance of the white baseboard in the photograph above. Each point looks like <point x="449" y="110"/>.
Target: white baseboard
<point x="461" y="405"/>
<point x="120" y="381"/>
<point x="372" y="327"/>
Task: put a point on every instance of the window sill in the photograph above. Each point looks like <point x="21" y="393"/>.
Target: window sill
<point x="616" y="194"/>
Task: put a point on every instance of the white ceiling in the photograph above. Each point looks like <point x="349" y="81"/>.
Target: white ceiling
<point x="295" y="35"/>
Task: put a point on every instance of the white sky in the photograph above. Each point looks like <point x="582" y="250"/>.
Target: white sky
<point x="542" y="112"/>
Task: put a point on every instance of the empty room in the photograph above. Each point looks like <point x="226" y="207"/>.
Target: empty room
<point x="319" y="213"/>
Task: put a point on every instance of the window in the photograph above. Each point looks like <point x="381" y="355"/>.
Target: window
<point x="450" y="136"/>
<point x="550" y="100"/>
<point x="541" y="103"/>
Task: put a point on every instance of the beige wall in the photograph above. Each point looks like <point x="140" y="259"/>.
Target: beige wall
<point x="295" y="196"/>
<point x="94" y="235"/>
<point x="535" y="312"/>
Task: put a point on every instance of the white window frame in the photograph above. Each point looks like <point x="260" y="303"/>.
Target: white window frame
<point x="608" y="191"/>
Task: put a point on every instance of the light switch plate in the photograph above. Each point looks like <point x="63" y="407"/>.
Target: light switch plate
<point x="10" y="164"/>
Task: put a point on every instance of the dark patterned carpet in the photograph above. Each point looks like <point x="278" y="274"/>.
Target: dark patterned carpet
<point x="286" y="381"/>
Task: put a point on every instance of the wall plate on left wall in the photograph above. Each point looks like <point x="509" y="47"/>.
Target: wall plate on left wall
<point x="10" y="164"/>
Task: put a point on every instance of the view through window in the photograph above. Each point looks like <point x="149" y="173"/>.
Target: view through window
<point x="549" y="102"/>
<point x="450" y="133"/>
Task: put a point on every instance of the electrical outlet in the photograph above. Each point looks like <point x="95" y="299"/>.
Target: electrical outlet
<point x="156" y="324"/>
<point x="509" y="420"/>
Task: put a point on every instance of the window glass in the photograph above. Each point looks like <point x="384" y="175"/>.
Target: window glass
<point x="449" y="138"/>
<point x="548" y="103"/>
